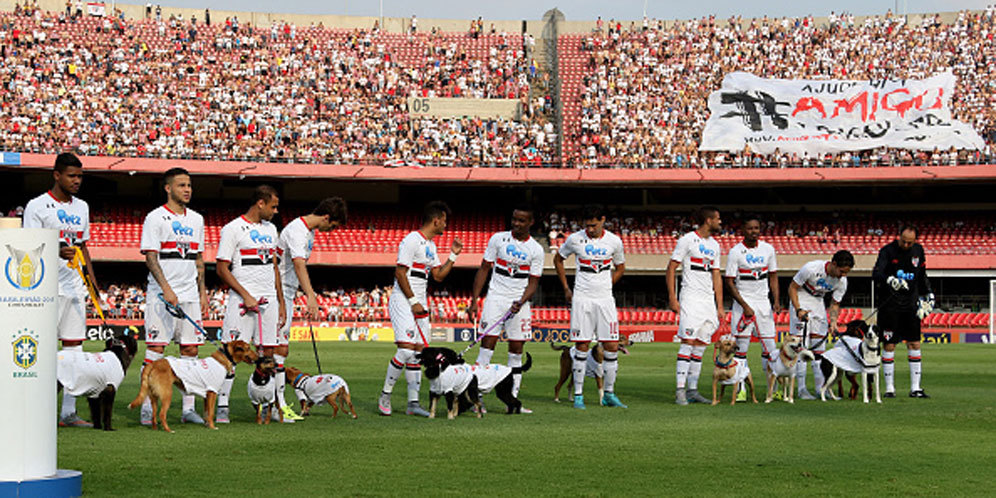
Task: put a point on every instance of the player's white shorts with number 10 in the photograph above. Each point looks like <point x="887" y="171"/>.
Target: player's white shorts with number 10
<point x="518" y="327"/>
<point x="594" y="319"/>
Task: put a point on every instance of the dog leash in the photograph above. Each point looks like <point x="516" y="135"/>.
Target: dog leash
<point x="177" y="312"/>
<point x="477" y="338"/>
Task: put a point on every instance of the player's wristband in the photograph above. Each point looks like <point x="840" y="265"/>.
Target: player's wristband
<point x="413" y="301"/>
<point x="453" y="257"/>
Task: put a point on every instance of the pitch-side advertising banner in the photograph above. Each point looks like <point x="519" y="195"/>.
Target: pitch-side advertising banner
<point x="818" y="117"/>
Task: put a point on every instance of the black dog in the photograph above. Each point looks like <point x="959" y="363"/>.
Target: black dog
<point x="484" y="379"/>
<point x="93" y="375"/>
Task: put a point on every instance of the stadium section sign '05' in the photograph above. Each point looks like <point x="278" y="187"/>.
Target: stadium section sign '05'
<point x="798" y="116"/>
<point x="28" y="339"/>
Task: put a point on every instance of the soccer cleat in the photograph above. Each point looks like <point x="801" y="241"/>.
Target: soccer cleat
<point x="610" y="399"/>
<point x="191" y="417"/>
<point x="778" y="395"/>
<point x="384" y="404"/>
<point x="741" y="395"/>
<point x="525" y="410"/>
<point x="275" y="416"/>
<point x="579" y="402"/>
<point x="694" y="397"/>
<point x="804" y="394"/>
<point x="679" y="397"/>
<point x="289" y="413"/>
<point x="416" y="409"/>
<point x="832" y="396"/>
<point x="146" y="416"/>
<point x="918" y="394"/>
<point x="889" y="394"/>
<point x="74" y="420"/>
<point x="221" y="417"/>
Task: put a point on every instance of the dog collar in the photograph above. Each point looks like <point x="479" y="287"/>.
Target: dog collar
<point x="725" y="365"/>
<point x="299" y="380"/>
<point x="224" y="350"/>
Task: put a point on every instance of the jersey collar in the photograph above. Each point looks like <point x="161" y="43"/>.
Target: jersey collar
<point x="56" y="199"/>
<point x="184" y="213"/>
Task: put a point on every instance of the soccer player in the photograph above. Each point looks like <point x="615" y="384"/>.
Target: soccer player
<point x="248" y="265"/>
<point x="808" y="314"/>
<point x="173" y="244"/>
<point x="700" y="307"/>
<point x="901" y="269"/>
<point x="751" y="272"/>
<point x="61" y="210"/>
<point x="517" y="261"/>
<point x="296" y="241"/>
<point x="408" y="306"/>
<point x="593" y="307"/>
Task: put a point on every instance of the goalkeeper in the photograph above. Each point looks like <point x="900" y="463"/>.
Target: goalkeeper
<point x="901" y="272"/>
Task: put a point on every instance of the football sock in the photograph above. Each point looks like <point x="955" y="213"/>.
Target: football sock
<point x="484" y="356"/>
<point x="800" y="375"/>
<point x="742" y="344"/>
<point x="580" y="361"/>
<point x="150" y="356"/>
<point x="280" y="376"/>
<point x="817" y="371"/>
<point x="681" y="369"/>
<point x="226" y="390"/>
<point x="68" y="400"/>
<point x="515" y="363"/>
<point x="768" y="348"/>
<point x="395" y="367"/>
<point x="413" y="374"/>
<point x="889" y="370"/>
<point x="610" y="367"/>
<point x="695" y="367"/>
<point x="913" y="355"/>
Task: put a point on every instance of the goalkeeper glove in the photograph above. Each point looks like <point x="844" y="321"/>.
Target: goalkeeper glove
<point x="897" y="284"/>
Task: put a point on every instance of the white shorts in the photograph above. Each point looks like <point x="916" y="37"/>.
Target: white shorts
<point x="817" y="329"/>
<point x="255" y="328"/>
<point x="407" y="329"/>
<point x="594" y="319"/>
<point x="72" y="318"/>
<point x="518" y="327"/>
<point x="698" y="320"/>
<point x="763" y="316"/>
<point x="283" y="335"/>
<point x="161" y="327"/>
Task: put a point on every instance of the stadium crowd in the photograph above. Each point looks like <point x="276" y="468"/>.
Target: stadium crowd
<point x="644" y="89"/>
<point x="176" y="88"/>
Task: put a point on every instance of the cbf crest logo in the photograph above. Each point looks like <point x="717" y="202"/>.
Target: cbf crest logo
<point x="25" y="269"/>
<point x="25" y="349"/>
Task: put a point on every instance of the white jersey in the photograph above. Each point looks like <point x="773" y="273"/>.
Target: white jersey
<point x="179" y="239"/>
<point x="698" y="257"/>
<point x="296" y="241"/>
<point x="845" y="360"/>
<point x="262" y="394"/>
<point x="419" y="255"/>
<point x="749" y="267"/>
<point x="489" y="376"/>
<point x="454" y="379"/>
<point x="514" y="262"/>
<point x="72" y="220"/>
<point x="317" y="388"/>
<point x="88" y="374"/>
<point x="815" y="283"/>
<point x="743" y="370"/>
<point x="595" y="258"/>
<point x="250" y="247"/>
<point x="199" y="375"/>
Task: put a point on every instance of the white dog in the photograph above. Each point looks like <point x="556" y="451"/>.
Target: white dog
<point x="781" y="369"/>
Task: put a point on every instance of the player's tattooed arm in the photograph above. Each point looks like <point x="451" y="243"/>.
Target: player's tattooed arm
<point x="201" y="286"/>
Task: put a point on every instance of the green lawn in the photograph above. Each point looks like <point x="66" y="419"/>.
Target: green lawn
<point x="943" y="446"/>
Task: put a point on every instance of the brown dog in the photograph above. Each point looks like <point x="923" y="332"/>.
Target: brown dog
<point x="262" y="390"/>
<point x="729" y="371"/>
<point x="202" y="377"/>
<point x="316" y="389"/>
<point x="781" y="371"/>
<point x="592" y="369"/>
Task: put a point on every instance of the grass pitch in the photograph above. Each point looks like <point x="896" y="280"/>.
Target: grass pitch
<point x="940" y="446"/>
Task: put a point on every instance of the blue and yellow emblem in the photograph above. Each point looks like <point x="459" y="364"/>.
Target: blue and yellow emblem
<point x="25" y="268"/>
<point x="25" y="351"/>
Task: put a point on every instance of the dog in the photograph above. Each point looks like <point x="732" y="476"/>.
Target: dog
<point x="203" y="377"/>
<point x="97" y="376"/>
<point x="729" y="371"/>
<point x="593" y="368"/>
<point x="450" y="377"/>
<point x="781" y="369"/>
<point x="857" y="352"/>
<point x="263" y="390"/>
<point x="317" y="389"/>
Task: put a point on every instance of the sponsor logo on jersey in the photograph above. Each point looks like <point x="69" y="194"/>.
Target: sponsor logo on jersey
<point x="179" y="229"/>
<point x="257" y="237"/>
<point x="706" y="251"/>
<point x="823" y="284"/>
<point x="902" y="275"/>
<point x="25" y="269"/>
<point x="752" y="259"/>
<point x="515" y="252"/>
<point x="591" y="250"/>
<point x="429" y="254"/>
<point x="25" y="351"/>
<point x="71" y="219"/>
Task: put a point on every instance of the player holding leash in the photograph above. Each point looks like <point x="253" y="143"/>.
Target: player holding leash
<point x="700" y="308"/>
<point x="901" y="270"/>
<point x="248" y="264"/>
<point x="751" y="272"/>
<point x="808" y="315"/>
<point x="173" y="245"/>
<point x="296" y="242"/>
<point x="517" y="261"/>
<point x="593" y="307"/>
<point x="61" y="210"/>
<point x="408" y="306"/>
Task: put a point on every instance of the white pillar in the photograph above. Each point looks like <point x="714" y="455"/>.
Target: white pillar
<point x="29" y="287"/>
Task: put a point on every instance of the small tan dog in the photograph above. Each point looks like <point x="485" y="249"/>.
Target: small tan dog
<point x="317" y="389"/>
<point x="782" y="368"/>
<point x="200" y="376"/>
<point x="593" y="367"/>
<point x="728" y="371"/>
